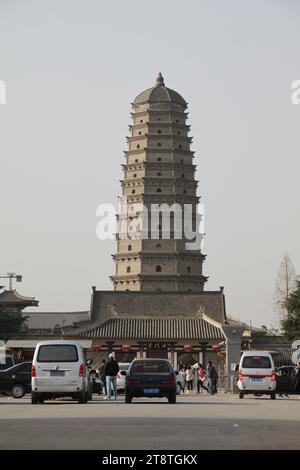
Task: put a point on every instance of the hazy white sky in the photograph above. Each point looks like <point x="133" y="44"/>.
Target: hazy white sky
<point x="72" y="68"/>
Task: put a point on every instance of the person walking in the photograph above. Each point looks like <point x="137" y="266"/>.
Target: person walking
<point x="189" y="379"/>
<point x="212" y="375"/>
<point x="101" y="372"/>
<point x="200" y="378"/>
<point x="111" y="371"/>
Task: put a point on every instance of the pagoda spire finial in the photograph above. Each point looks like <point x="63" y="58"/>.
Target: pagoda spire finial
<point x="159" y="80"/>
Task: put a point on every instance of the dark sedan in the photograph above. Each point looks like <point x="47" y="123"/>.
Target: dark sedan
<point x="286" y="380"/>
<point x="150" y="378"/>
<point x="16" y="380"/>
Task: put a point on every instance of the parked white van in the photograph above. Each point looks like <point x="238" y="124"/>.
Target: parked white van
<point x="59" y="369"/>
<point x="257" y="374"/>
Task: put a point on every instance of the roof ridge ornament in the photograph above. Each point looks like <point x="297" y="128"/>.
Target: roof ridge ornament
<point x="159" y="80"/>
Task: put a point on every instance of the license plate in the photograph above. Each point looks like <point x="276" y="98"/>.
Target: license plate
<point x="57" y="373"/>
<point x="151" y="390"/>
<point x="256" y="379"/>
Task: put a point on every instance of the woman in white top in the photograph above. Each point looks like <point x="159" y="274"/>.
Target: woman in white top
<point x="189" y="379"/>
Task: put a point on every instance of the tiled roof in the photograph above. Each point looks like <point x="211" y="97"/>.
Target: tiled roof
<point x="177" y="328"/>
<point x="12" y="297"/>
<point x="52" y="320"/>
<point x="159" y="94"/>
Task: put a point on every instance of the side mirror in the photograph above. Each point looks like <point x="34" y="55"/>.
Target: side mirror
<point x="89" y="362"/>
<point x="123" y="372"/>
<point x="176" y="372"/>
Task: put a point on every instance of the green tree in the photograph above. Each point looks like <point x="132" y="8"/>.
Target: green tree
<point x="10" y="324"/>
<point x="187" y="359"/>
<point x="291" y="324"/>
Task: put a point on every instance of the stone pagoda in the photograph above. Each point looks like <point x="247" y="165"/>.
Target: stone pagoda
<point x="159" y="175"/>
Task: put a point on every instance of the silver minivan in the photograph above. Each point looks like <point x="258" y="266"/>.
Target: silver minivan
<point x="257" y="374"/>
<point x="59" y="369"/>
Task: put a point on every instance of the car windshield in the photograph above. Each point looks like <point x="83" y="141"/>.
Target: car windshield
<point x="124" y="366"/>
<point x="150" y="368"/>
<point x="256" y="362"/>
<point x="58" y="353"/>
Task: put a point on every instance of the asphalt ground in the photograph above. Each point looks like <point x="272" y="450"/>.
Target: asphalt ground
<point x="222" y="421"/>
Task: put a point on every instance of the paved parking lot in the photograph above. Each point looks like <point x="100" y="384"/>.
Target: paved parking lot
<point x="195" y="422"/>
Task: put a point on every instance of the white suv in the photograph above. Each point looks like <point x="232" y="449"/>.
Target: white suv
<point x="256" y="374"/>
<point x="59" y="369"/>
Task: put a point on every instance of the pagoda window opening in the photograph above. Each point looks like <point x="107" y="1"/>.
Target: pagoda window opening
<point x="158" y="190"/>
<point x="178" y="132"/>
<point x="188" y="269"/>
<point x="182" y="176"/>
<point x="159" y="144"/>
<point x="159" y="131"/>
<point x="138" y="146"/>
<point x="140" y="132"/>
<point x="181" y="160"/>
<point x="180" y="146"/>
<point x="177" y="120"/>
<point x="184" y="191"/>
<point x="158" y="269"/>
<point x="159" y="159"/>
<point x="158" y="246"/>
<point x="129" y="247"/>
<point x="134" y="175"/>
<point x="159" y="119"/>
<point x="136" y="160"/>
<point x="128" y="269"/>
<point x="141" y="121"/>
<point x="158" y="174"/>
<point x="133" y="191"/>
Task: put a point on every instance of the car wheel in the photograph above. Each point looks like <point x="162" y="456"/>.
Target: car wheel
<point x="178" y="388"/>
<point x="128" y="398"/>
<point x="172" y="398"/>
<point x="18" y="390"/>
<point x="273" y="396"/>
<point x="82" y="397"/>
<point x="241" y="395"/>
<point x="34" y="400"/>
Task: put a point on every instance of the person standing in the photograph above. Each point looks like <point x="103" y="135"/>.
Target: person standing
<point x="182" y="370"/>
<point x="189" y="379"/>
<point x="297" y="377"/>
<point x="212" y="375"/>
<point x="111" y="371"/>
<point x="102" y="377"/>
<point x="200" y="378"/>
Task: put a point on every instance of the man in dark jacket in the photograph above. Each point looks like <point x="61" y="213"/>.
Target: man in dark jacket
<point x="111" y="371"/>
<point x="212" y="375"/>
